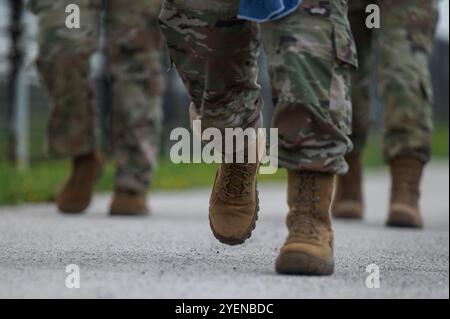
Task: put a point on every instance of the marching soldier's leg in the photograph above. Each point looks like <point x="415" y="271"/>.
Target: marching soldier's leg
<point x="406" y="40"/>
<point x="348" y="201"/>
<point x="135" y="47"/>
<point x="311" y="55"/>
<point x="216" y="56"/>
<point x="63" y="63"/>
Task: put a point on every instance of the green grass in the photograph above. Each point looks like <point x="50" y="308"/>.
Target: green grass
<point x="373" y="155"/>
<point x="440" y="142"/>
<point x="41" y="182"/>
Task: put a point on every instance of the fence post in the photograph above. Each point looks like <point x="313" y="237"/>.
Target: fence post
<point x="17" y="92"/>
<point x="102" y="82"/>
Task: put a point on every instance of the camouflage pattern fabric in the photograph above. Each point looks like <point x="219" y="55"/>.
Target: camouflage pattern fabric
<point x="404" y="42"/>
<point x="311" y="55"/>
<point x="134" y="48"/>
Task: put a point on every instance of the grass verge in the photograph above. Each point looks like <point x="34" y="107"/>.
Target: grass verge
<point x="41" y="182"/>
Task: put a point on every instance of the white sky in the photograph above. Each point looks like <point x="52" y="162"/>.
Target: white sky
<point x="443" y="21"/>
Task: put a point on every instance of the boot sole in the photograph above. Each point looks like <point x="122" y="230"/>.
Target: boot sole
<point x="71" y="212"/>
<point x="347" y="216"/>
<point x="300" y="263"/>
<point x="68" y="211"/>
<point x="248" y="233"/>
<point x="130" y="214"/>
<point x="400" y="220"/>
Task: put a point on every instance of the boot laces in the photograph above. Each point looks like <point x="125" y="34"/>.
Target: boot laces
<point x="237" y="179"/>
<point x="305" y="214"/>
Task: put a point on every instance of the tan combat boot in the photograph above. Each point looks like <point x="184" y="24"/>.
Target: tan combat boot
<point x="233" y="208"/>
<point x="406" y="174"/>
<point x="309" y="247"/>
<point x="75" y="196"/>
<point x="348" y="202"/>
<point x="128" y="203"/>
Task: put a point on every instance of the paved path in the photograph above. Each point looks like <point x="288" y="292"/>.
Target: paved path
<point x="173" y="255"/>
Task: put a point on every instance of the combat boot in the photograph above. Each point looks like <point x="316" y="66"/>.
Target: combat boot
<point x="129" y="203"/>
<point x="76" y="194"/>
<point x="406" y="174"/>
<point x="234" y="203"/>
<point x="308" y="249"/>
<point x="348" y="201"/>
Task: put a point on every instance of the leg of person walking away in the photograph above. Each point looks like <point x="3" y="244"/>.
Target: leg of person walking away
<point x="63" y="64"/>
<point x="348" y="201"/>
<point x="406" y="41"/>
<point x="311" y="54"/>
<point x="216" y="57"/>
<point x="134" y="46"/>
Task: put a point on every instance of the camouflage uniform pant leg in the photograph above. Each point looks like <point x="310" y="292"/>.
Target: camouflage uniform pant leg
<point x="361" y="80"/>
<point x="135" y="51"/>
<point x="63" y="64"/>
<point x="311" y="54"/>
<point x="216" y="57"/>
<point x="406" y="39"/>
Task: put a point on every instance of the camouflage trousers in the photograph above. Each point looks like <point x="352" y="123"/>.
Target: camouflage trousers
<point x="311" y="55"/>
<point x="134" y="49"/>
<point x="404" y="44"/>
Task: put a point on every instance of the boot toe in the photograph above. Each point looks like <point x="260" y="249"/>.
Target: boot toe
<point x="127" y="204"/>
<point x="402" y="215"/>
<point x="72" y="209"/>
<point x="233" y="225"/>
<point x="70" y="202"/>
<point x="305" y="259"/>
<point x="348" y="210"/>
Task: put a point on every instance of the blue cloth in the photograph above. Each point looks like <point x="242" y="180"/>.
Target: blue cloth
<point x="266" y="10"/>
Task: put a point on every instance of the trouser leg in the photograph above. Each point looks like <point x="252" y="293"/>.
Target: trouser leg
<point x="63" y="64"/>
<point x="134" y="46"/>
<point x="311" y="54"/>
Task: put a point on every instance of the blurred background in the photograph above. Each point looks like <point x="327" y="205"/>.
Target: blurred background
<point x="27" y="174"/>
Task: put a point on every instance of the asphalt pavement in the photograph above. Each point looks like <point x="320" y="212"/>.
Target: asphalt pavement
<point x="172" y="254"/>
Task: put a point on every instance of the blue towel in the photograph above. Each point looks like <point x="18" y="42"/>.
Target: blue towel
<point x="266" y="10"/>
